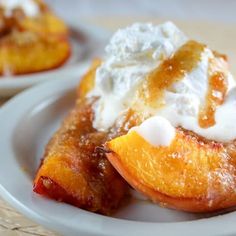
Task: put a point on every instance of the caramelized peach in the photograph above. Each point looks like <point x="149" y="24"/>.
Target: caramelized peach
<point x="32" y="44"/>
<point x="191" y="174"/>
<point x="87" y="82"/>
<point x="75" y="170"/>
<point x="26" y="52"/>
<point x="46" y="24"/>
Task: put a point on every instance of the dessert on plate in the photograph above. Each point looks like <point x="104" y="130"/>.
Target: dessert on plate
<point x="32" y="38"/>
<point x="157" y="114"/>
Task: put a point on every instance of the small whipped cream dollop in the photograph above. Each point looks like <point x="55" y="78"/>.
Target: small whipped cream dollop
<point x="29" y="7"/>
<point x="134" y="52"/>
<point x="156" y="130"/>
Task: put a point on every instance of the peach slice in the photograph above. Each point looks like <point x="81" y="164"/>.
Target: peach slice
<point x="27" y="52"/>
<point x="30" y="45"/>
<point x="75" y="170"/>
<point x="87" y="82"/>
<point x="191" y="174"/>
<point x="45" y="24"/>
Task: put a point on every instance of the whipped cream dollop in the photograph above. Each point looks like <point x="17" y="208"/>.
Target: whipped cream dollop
<point x="156" y="130"/>
<point x="131" y="54"/>
<point x="134" y="52"/>
<point x="29" y="7"/>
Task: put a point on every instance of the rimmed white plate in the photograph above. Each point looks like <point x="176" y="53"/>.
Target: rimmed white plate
<point x="86" y="40"/>
<point x="27" y="122"/>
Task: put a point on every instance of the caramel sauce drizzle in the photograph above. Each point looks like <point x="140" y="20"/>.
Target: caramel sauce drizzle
<point x="217" y="89"/>
<point x="170" y="71"/>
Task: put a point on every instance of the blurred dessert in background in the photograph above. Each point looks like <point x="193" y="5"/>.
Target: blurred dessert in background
<point x="161" y="108"/>
<point x="32" y="38"/>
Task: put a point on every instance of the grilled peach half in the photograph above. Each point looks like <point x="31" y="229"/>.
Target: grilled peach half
<point x="75" y="170"/>
<point x="27" y="53"/>
<point x="87" y="82"/>
<point x="192" y="174"/>
<point x="45" y="24"/>
<point x="34" y="44"/>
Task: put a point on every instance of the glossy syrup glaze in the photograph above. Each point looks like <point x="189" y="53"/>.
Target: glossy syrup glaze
<point x="169" y="72"/>
<point x="217" y="89"/>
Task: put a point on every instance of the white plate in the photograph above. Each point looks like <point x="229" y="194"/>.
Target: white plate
<point x="87" y="41"/>
<point x="27" y="123"/>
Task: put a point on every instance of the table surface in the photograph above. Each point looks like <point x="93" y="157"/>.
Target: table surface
<point x="13" y="223"/>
